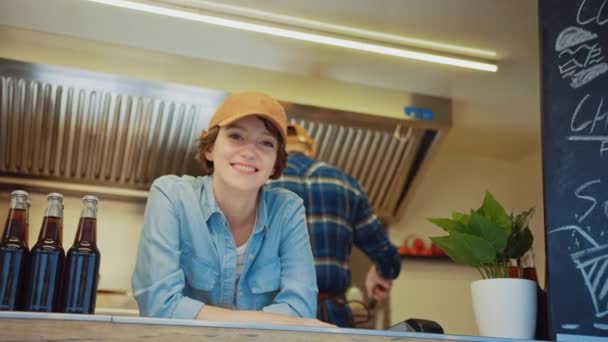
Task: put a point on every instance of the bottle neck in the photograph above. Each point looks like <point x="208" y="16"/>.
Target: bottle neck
<point x="527" y="260"/>
<point x="527" y="265"/>
<point x="54" y="208"/>
<point x="15" y="228"/>
<point x="87" y="232"/>
<point x="27" y="223"/>
<point x="52" y="224"/>
<point x="52" y="229"/>
<point x="89" y="210"/>
<point x="86" y="235"/>
<point x="514" y="270"/>
<point x="19" y="202"/>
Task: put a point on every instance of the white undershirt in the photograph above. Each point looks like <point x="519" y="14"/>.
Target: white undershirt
<point x="241" y="256"/>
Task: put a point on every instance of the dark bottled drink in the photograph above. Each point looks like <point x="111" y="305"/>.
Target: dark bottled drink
<point x="514" y="271"/>
<point x="14" y="253"/>
<point x="27" y="222"/>
<point x="47" y="257"/>
<point x="82" y="263"/>
<point x="529" y="272"/>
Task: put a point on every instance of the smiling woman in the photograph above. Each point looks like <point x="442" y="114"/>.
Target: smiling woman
<point x="245" y="154"/>
<point x="211" y="246"/>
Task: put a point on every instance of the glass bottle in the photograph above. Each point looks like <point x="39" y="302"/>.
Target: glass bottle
<point x="14" y="253"/>
<point x="514" y="270"/>
<point x="82" y="263"/>
<point x="27" y="222"/>
<point x="47" y="257"/>
<point x="529" y="272"/>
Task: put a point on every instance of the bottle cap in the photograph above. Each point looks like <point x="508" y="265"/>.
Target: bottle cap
<point x="90" y="198"/>
<point x="20" y="193"/>
<point x="55" y="195"/>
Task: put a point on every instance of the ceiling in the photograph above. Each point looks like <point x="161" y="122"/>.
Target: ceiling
<point x="501" y="109"/>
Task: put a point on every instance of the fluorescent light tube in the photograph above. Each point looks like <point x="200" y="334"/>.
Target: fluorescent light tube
<point x="303" y="36"/>
<point x="308" y="24"/>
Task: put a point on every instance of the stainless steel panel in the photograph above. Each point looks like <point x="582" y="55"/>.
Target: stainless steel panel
<point x="78" y="126"/>
<point x="73" y="126"/>
<point x="380" y="160"/>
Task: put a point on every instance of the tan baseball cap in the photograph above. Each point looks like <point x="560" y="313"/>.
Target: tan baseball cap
<point x="298" y="139"/>
<point x="297" y="133"/>
<point x="240" y="105"/>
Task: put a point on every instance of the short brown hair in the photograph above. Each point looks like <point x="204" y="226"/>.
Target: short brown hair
<point x="208" y="138"/>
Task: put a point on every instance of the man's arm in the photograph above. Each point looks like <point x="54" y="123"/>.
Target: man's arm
<point x="369" y="236"/>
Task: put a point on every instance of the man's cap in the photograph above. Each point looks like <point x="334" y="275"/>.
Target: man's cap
<point x="240" y="105"/>
<point x="298" y="140"/>
<point x="298" y="134"/>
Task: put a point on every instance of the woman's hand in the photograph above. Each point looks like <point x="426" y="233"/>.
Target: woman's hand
<point x="214" y="313"/>
<point x="290" y="320"/>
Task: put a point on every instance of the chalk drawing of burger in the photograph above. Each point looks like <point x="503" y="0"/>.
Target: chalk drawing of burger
<point x="580" y="56"/>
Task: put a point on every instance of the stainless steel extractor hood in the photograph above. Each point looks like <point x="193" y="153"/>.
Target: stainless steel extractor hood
<point x="75" y="130"/>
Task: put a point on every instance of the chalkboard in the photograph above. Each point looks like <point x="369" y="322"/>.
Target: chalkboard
<point x="574" y="49"/>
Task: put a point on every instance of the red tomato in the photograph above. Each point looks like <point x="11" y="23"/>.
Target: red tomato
<point x="437" y="251"/>
<point x="419" y="245"/>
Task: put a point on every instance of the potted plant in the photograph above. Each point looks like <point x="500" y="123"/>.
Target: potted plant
<point x="487" y="239"/>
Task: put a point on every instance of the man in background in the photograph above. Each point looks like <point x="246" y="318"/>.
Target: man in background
<point x="338" y="215"/>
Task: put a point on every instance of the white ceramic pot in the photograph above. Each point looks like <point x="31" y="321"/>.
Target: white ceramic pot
<point x="505" y="307"/>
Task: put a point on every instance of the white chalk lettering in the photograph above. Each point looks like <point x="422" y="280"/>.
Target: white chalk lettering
<point x="589" y="122"/>
<point x="589" y="11"/>
<point x="581" y="118"/>
<point x="573" y="126"/>
<point x="578" y="194"/>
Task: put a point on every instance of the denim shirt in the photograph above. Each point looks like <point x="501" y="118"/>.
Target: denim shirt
<point x="187" y="255"/>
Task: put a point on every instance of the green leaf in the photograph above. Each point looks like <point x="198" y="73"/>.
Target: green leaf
<point x="522" y="220"/>
<point x="493" y="211"/>
<point x="447" y="224"/>
<point x="489" y="231"/>
<point x="485" y="238"/>
<point x="465" y="248"/>
<point x="519" y="243"/>
<point x="461" y="217"/>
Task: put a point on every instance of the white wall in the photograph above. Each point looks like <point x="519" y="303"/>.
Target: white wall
<point x="440" y="290"/>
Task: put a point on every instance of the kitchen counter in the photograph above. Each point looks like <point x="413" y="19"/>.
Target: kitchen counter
<point x="26" y="326"/>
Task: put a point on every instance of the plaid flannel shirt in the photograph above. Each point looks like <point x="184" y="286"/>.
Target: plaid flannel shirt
<point x="339" y="215"/>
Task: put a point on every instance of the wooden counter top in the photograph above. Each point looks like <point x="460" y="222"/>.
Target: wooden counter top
<point x="25" y="326"/>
